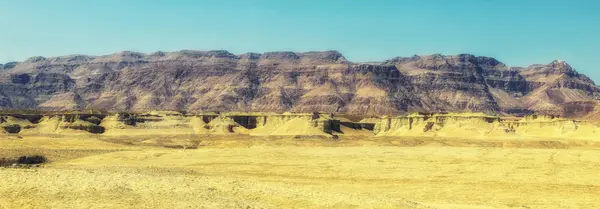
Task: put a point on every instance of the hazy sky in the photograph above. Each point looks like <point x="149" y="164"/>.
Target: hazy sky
<point x="517" y="32"/>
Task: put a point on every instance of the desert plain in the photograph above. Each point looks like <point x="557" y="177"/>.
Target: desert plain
<point x="291" y="172"/>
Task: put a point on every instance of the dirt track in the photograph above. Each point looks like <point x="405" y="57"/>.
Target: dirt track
<point x="304" y="174"/>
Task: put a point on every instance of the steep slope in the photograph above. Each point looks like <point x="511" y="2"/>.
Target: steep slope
<point x="201" y="81"/>
<point x="450" y="83"/>
<point x="481" y="84"/>
<point x="560" y="90"/>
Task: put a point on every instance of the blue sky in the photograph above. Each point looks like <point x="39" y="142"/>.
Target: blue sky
<point x="518" y="33"/>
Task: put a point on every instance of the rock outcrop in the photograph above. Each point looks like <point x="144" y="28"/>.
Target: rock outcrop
<point x="165" y="124"/>
<point x="202" y="81"/>
<point x="478" y="125"/>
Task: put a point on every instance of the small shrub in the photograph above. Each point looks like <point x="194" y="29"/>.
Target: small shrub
<point x="36" y="159"/>
<point x="23" y="160"/>
<point x="12" y="128"/>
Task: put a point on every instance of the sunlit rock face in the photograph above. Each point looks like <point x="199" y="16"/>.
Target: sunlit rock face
<point x="200" y="81"/>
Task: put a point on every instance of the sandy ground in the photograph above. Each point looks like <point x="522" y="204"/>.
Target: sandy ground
<point x="87" y="172"/>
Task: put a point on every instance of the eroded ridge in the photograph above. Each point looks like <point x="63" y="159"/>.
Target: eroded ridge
<point x="297" y="124"/>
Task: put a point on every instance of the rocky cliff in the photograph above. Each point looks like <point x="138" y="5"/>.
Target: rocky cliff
<point x="201" y="81"/>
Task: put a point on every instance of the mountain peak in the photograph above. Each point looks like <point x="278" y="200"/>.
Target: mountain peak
<point x="325" y="56"/>
<point x="158" y="54"/>
<point x="130" y="54"/>
<point x="439" y="61"/>
<point x="204" y="54"/>
<point x="36" y="59"/>
<point x="554" y="67"/>
<point x="560" y="64"/>
<point x="73" y="58"/>
<point x="286" y="55"/>
<point x="250" y="56"/>
<point x="555" y="71"/>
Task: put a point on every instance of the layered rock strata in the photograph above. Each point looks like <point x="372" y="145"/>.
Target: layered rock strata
<point x="204" y="81"/>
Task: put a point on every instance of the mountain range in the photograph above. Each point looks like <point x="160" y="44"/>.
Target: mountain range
<point x="325" y="81"/>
